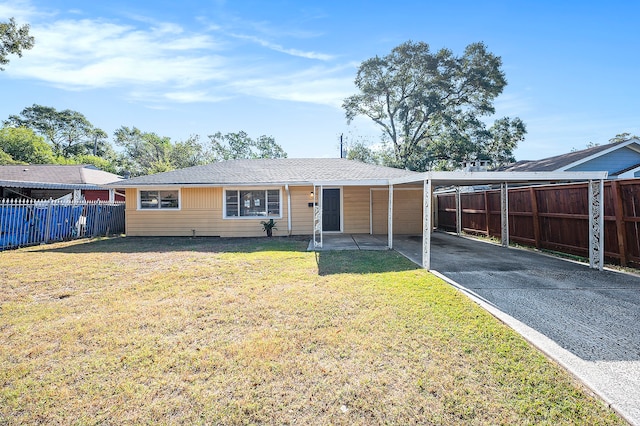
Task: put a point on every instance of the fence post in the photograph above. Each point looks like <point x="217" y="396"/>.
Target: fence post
<point x="96" y="208"/>
<point x="487" y="213"/>
<point x="535" y="216"/>
<point x="616" y="192"/>
<point x="458" y="212"/>
<point x="47" y="227"/>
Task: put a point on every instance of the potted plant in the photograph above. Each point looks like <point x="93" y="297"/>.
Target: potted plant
<point x="269" y="227"/>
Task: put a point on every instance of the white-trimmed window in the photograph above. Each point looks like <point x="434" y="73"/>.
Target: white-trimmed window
<point x="251" y="203"/>
<point x="159" y="199"/>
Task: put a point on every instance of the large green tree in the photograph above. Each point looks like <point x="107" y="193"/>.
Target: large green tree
<point x="419" y="97"/>
<point x="69" y="132"/>
<point x="13" y="40"/>
<point x="144" y="152"/>
<point x="24" y="146"/>
<point x="233" y="146"/>
<point x="188" y="153"/>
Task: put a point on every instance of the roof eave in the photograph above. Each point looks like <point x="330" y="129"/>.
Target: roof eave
<point x="474" y="178"/>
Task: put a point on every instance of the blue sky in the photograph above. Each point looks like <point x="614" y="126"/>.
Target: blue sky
<point x="282" y="68"/>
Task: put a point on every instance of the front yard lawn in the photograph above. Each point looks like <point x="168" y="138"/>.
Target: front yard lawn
<point x="259" y="331"/>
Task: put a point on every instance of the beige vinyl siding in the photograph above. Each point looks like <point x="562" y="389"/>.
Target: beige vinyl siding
<point x="301" y="213"/>
<point x="200" y="211"/>
<point x="356" y="209"/>
<point x="407" y="211"/>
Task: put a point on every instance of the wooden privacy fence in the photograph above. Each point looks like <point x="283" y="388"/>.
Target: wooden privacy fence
<point x="554" y="217"/>
<point x="29" y="222"/>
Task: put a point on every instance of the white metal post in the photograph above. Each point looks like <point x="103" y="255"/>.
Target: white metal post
<point x="596" y="224"/>
<point x="317" y="216"/>
<point x="320" y="210"/>
<point x="426" y="225"/>
<point x="390" y="219"/>
<point x="286" y="188"/>
<point x="458" y="212"/>
<point x="504" y="213"/>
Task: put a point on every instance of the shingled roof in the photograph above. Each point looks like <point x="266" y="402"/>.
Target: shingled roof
<point x="76" y="176"/>
<point x="560" y="162"/>
<point x="272" y="171"/>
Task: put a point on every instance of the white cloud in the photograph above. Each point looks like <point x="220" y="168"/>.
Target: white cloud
<point x="278" y="48"/>
<point x="157" y="61"/>
<point x="319" y="85"/>
<point x="94" y="54"/>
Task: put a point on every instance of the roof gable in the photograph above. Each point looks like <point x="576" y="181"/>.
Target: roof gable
<point x="272" y="171"/>
<point x="571" y="160"/>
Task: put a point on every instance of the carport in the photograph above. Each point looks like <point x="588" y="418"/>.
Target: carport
<point x="431" y="180"/>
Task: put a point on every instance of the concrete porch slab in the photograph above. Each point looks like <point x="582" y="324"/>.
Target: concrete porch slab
<point x="351" y="242"/>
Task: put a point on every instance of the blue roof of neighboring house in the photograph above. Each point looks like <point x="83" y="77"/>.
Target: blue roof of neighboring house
<point x="614" y="158"/>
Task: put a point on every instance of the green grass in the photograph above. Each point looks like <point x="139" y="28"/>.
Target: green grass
<point x="259" y="331"/>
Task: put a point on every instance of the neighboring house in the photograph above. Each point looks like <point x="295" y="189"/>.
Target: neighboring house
<point x="621" y="160"/>
<point x="44" y="181"/>
<point x="231" y="198"/>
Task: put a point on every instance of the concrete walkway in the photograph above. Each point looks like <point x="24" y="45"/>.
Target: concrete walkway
<point x="587" y="320"/>
<point x="351" y="242"/>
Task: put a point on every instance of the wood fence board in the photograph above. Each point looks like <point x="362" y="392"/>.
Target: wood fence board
<point x="555" y="217"/>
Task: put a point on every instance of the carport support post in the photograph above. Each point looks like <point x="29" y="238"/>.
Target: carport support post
<point x="458" y="212"/>
<point x="596" y="224"/>
<point x="390" y="220"/>
<point x="426" y="225"/>
<point x="317" y="216"/>
<point x="504" y="214"/>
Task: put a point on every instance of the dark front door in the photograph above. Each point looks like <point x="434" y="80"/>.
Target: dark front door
<point x="331" y="210"/>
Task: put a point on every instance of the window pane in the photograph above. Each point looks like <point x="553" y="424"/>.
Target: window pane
<point x="252" y="203"/>
<point x="231" y="203"/>
<point x="168" y="199"/>
<point x="149" y="199"/>
<point x="273" y="202"/>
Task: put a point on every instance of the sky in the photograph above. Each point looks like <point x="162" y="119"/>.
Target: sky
<point x="283" y="68"/>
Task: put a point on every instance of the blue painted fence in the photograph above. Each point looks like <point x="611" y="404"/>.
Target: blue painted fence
<point x="29" y="222"/>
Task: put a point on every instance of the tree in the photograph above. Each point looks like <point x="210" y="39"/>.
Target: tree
<point x="359" y="151"/>
<point x="5" y="159"/>
<point x="144" y="152"/>
<point x="267" y="147"/>
<point x="188" y="153"/>
<point x="622" y="137"/>
<point x="13" y="40"/>
<point x="503" y="138"/>
<point x="416" y="96"/>
<point x="69" y="132"/>
<point x="104" y="164"/>
<point x="233" y="146"/>
<point x="24" y="146"/>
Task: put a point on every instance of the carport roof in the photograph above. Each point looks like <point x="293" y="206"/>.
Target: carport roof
<point x="475" y="178"/>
